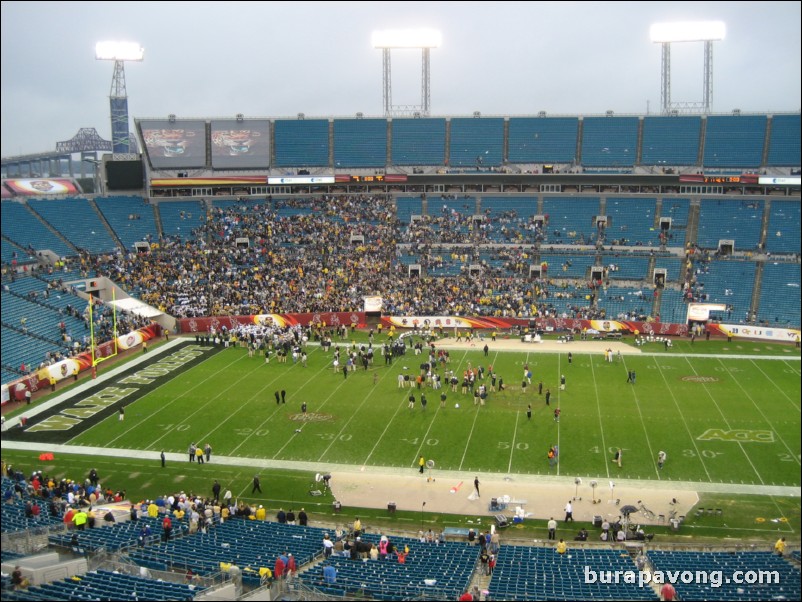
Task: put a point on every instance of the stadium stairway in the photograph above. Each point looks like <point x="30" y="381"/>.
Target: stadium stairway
<point x="106" y="224"/>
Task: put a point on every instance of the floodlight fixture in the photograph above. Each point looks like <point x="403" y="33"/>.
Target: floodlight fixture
<point x="423" y="39"/>
<point x="692" y="31"/>
<point x="406" y="38"/>
<point x="119" y="51"/>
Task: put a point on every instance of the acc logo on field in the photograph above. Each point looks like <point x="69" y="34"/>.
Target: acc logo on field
<point x="738" y="435"/>
<point x="310" y="417"/>
<point x="700" y="379"/>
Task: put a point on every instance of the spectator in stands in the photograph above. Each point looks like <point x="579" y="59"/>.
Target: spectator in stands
<point x="779" y="547"/>
<point x="80" y="518"/>
<point x="562" y="547"/>
<point x="328" y="545"/>
<point x="667" y="592"/>
<point x="167" y="528"/>
<point x="329" y="573"/>
<point x="484" y="559"/>
<point x="278" y="570"/>
<point x="17" y="579"/>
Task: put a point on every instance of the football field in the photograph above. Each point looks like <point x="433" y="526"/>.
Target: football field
<point x="730" y="417"/>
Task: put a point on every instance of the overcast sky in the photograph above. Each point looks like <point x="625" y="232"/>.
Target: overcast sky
<point x="276" y="59"/>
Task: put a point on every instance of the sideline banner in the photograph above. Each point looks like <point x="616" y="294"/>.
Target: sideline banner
<point x="350" y="319"/>
<point x="545" y="324"/>
<point x="781" y="335"/>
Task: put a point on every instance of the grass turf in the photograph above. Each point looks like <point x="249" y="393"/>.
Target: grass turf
<point x="720" y="419"/>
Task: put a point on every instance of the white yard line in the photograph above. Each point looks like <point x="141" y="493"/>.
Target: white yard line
<point x="724" y="417"/>
<point x="782" y="392"/>
<point x="347" y="422"/>
<point x="559" y="390"/>
<point x="598" y="410"/>
<point x="757" y="407"/>
<point x="643" y="426"/>
<point x="468" y="442"/>
<point x="162" y="408"/>
<point x="514" y="435"/>
<point x="682" y="417"/>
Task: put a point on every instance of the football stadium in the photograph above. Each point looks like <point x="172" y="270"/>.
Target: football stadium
<point x="404" y="357"/>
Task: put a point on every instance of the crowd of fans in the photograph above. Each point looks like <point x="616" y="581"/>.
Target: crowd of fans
<point x="300" y="258"/>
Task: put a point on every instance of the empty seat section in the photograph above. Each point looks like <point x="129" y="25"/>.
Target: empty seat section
<point x="609" y="141"/>
<point x="784" y="141"/>
<point x="669" y="141"/>
<point x="360" y="143"/>
<point x="419" y="141"/>
<point x="78" y="222"/>
<point x="476" y="142"/>
<point x="545" y="140"/>
<point x="302" y="143"/>
<point x="735" y="140"/>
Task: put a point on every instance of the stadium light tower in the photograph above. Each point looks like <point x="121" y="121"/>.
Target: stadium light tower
<point x="119" y="52"/>
<point x="425" y="39"/>
<point x="702" y="31"/>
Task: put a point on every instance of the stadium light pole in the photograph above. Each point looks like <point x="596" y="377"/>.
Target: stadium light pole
<point x="387" y="40"/>
<point x="119" y="52"/>
<point x="699" y="31"/>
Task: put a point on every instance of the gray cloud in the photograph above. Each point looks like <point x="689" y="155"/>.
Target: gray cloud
<point x="276" y="59"/>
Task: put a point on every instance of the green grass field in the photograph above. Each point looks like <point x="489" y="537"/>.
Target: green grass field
<point x="719" y="419"/>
